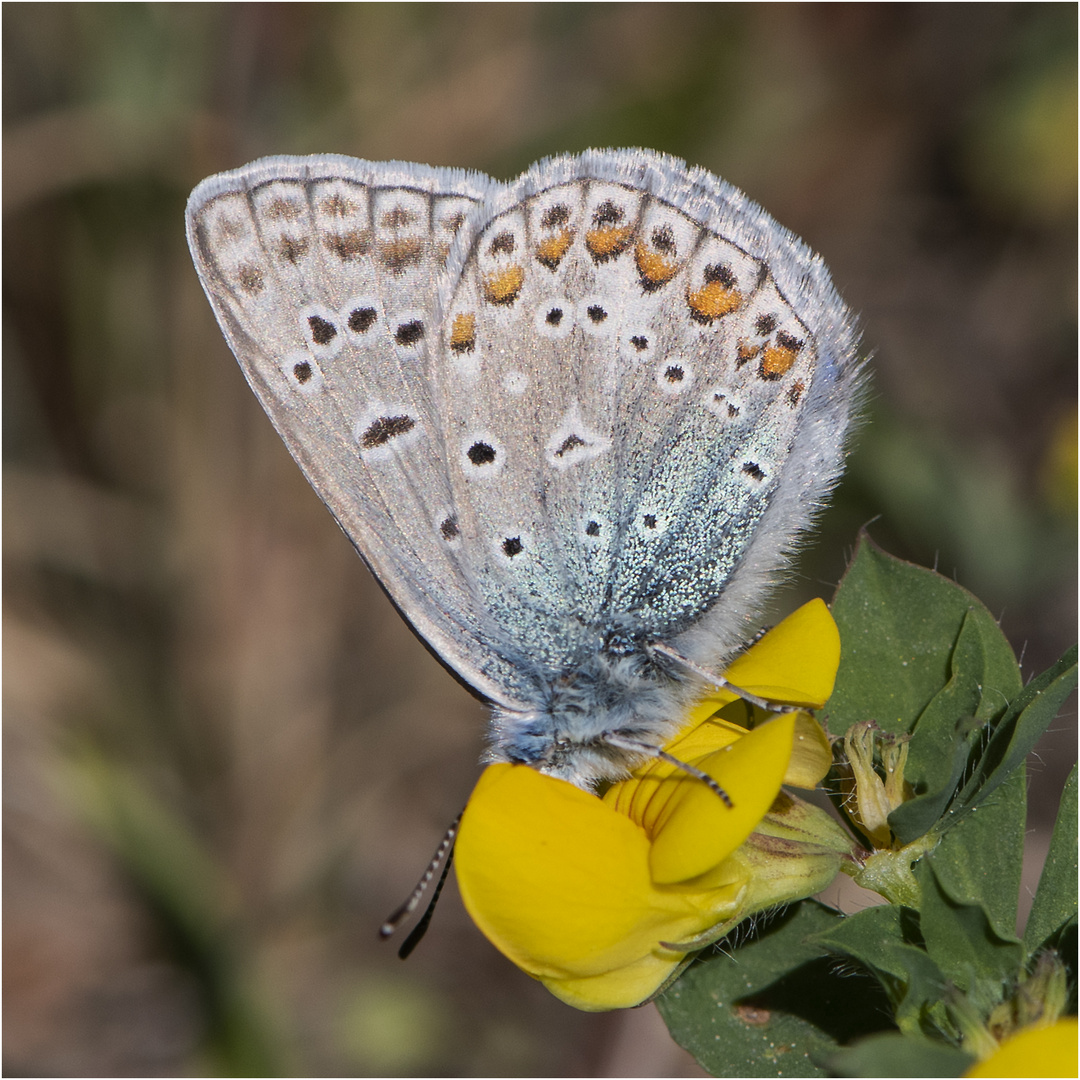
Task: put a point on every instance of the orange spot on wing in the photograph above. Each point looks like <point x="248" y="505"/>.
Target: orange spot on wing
<point x="776" y="361"/>
<point x="551" y="249"/>
<point x="746" y="352"/>
<point x="463" y="333"/>
<point x="653" y="267"/>
<point x="712" y="301"/>
<point x="607" y="242"/>
<point x="504" y="286"/>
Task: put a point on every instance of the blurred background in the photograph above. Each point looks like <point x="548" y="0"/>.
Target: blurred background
<point x="225" y="756"/>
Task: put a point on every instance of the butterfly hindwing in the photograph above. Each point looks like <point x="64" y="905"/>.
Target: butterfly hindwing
<point x="635" y="386"/>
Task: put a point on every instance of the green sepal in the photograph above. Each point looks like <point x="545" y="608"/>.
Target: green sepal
<point x="899" y="624"/>
<point x="943" y="735"/>
<point x="979" y="859"/>
<point x="1029" y="714"/>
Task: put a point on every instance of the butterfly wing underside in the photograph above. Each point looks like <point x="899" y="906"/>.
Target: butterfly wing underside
<point x="645" y="389"/>
<point x="323" y="274"/>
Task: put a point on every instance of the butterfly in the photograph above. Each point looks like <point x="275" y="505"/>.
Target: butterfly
<point x="574" y="423"/>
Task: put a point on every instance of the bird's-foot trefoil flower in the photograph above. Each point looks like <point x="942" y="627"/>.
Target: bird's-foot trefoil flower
<point x="605" y="898"/>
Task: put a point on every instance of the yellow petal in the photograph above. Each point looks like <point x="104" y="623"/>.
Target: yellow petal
<point x="695" y="829"/>
<point x="794" y="662"/>
<point x="1047" y="1051"/>
<point x="644" y="795"/>
<point x="622" y="988"/>
<point x="558" y="881"/>
<point x="811" y="754"/>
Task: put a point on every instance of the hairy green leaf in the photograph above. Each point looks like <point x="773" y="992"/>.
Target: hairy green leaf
<point x="1055" y="900"/>
<point x="773" y="1006"/>
<point x="892" y="1054"/>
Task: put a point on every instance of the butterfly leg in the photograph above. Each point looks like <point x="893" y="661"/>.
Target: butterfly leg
<point x="720" y="682"/>
<point x="649" y="750"/>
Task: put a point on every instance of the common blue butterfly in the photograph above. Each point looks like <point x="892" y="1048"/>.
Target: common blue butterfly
<point x="573" y="423"/>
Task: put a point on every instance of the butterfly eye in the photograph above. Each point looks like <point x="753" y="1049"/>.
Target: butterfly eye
<point x="357" y="317"/>
<point x="514" y="548"/>
<point x="481" y="453"/>
<point x="650" y="524"/>
<point x="573" y="442"/>
<point x="303" y="373"/>
<point x="596" y="316"/>
<point x="385" y="431"/>
<point x="724" y="402"/>
<point x="323" y="331"/>
<point x="361" y="319"/>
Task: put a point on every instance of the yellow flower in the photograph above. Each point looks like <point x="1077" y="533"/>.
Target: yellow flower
<point x="602" y="899"/>
<point x="1040" y="1051"/>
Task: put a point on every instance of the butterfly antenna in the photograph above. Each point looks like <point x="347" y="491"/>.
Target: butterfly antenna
<point x="721" y="683"/>
<point x="420" y="929"/>
<point x="655" y="752"/>
<point x="442" y="857"/>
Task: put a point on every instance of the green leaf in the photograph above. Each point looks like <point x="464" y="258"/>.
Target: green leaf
<point x="892" y="1054"/>
<point x="898" y="625"/>
<point x="942" y="737"/>
<point x="1029" y="714"/>
<point x="980" y="858"/>
<point x="1055" y="901"/>
<point x="774" y="1005"/>
<point x="962" y="942"/>
<point x="886" y="941"/>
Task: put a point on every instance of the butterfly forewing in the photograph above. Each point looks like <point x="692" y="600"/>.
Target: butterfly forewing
<point x="323" y="274"/>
